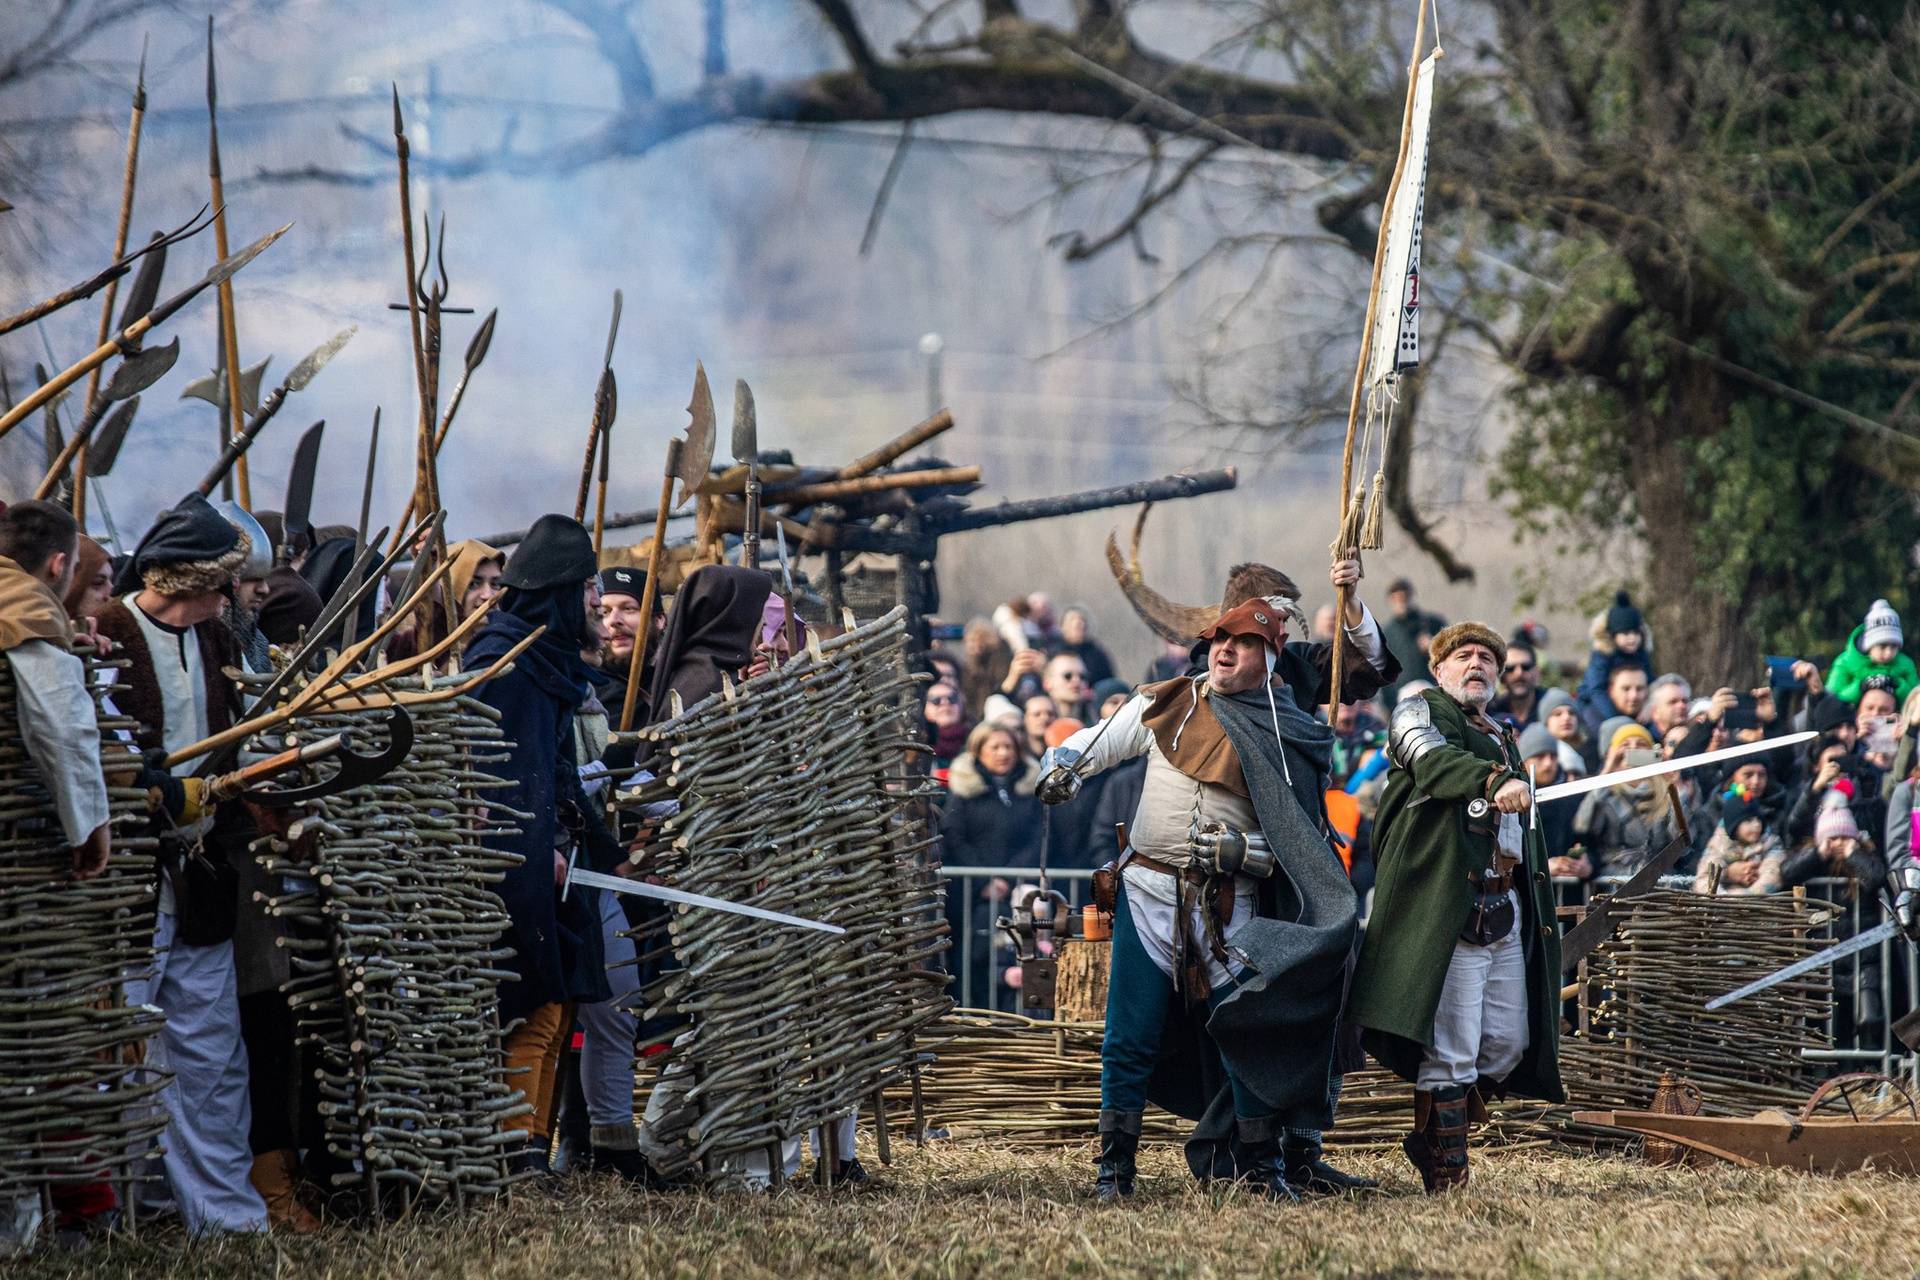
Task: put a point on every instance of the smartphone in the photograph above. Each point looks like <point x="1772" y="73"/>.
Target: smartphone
<point x="1635" y="757"/>
<point x="1780" y="674"/>
<point x="1743" y="714"/>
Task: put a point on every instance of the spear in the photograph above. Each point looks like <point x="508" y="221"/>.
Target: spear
<point x="1347" y="522"/>
<point x="236" y="451"/>
<point x="99" y="279"/>
<point x="422" y="499"/>
<point x="119" y="248"/>
<point x="234" y="419"/>
<point x="476" y="352"/>
<point x="131" y="335"/>
<point x="136" y="373"/>
<point x="700" y="428"/>
<point x="366" y="492"/>
<point x="603" y="407"/>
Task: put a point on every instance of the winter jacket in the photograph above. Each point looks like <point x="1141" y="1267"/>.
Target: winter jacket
<point x="1851" y="669"/>
<point x="991" y="820"/>
<point x="1723" y="851"/>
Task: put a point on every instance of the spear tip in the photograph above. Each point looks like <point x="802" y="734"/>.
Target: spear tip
<point x="399" y="125"/>
<point x="212" y="94"/>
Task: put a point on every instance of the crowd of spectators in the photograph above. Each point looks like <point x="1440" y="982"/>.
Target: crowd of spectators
<point x="1838" y="809"/>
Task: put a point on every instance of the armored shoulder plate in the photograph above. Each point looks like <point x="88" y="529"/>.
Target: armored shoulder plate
<point x="1411" y="733"/>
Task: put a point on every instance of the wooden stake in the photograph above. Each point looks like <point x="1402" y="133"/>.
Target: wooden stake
<point x="229" y="330"/>
<point x="113" y="286"/>
<point x="656" y="555"/>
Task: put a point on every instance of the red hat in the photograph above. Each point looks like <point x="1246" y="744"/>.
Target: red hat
<point x="1256" y="617"/>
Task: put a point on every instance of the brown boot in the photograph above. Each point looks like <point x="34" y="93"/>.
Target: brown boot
<point x="273" y="1177"/>
<point x="1437" y="1147"/>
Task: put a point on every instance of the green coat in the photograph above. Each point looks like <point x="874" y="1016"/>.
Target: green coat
<point x="1423" y="895"/>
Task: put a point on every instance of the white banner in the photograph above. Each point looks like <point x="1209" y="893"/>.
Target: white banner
<point x="1395" y="341"/>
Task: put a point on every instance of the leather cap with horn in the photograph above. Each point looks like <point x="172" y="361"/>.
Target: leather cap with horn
<point x="1183" y="623"/>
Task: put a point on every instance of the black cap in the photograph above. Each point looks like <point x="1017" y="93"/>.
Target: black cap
<point x="623" y="580"/>
<point x="556" y="551"/>
<point x="190" y="532"/>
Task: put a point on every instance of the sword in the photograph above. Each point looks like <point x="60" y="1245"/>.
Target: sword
<point x="641" y="889"/>
<point x="1818" y="960"/>
<point x="1601" y="781"/>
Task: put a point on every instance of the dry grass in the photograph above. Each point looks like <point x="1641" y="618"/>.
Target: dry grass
<point x="970" y="1211"/>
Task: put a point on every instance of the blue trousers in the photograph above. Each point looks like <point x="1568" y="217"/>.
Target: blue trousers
<point x="1139" y="998"/>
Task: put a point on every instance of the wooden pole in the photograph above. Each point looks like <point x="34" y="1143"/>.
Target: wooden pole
<point x="229" y="330"/>
<point x="656" y="554"/>
<point x="834" y="490"/>
<point x="127" y="177"/>
<point x="898" y="447"/>
<point x="1345" y="594"/>
<point x="423" y="440"/>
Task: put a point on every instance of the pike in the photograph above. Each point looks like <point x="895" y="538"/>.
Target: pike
<point x="302" y="374"/>
<point x="423" y="498"/>
<point x="746" y="449"/>
<point x="127" y="181"/>
<point x="99" y="279"/>
<point x="699" y="439"/>
<point x="680" y="897"/>
<point x="136" y="373"/>
<point x="1603" y="781"/>
<point x="477" y="348"/>
<point x="604" y="399"/>
<point x="366" y="492"/>
<point x="233" y="421"/>
<point x="131" y="335"/>
<point x="295" y="515"/>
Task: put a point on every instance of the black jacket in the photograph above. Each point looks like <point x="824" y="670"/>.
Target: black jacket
<point x="991" y="820"/>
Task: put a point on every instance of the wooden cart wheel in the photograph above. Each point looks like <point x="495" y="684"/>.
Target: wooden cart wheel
<point x="1865" y="1095"/>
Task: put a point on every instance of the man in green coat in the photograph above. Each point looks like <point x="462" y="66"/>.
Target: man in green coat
<point x="1457" y="988"/>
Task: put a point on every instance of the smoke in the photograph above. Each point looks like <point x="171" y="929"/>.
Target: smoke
<point x="738" y="246"/>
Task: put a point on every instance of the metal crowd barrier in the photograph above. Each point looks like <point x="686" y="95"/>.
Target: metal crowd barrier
<point x="1871" y="990"/>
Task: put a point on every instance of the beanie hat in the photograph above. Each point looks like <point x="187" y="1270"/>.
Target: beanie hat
<point x="1828" y="712"/>
<point x="1631" y="734"/>
<point x="1107" y="688"/>
<point x="1882" y="627"/>
<point x="1536" y="741"/>
<point x="1623" y="616"/>
<point x="1881" y="681"/>
<point x="1451" y="638"/>
<point x="623" y="580"/>
<point x="1836" y="814"/>
<point x="1735" y="808"/>
<point x="1613" y="726"/>
<point x="1552" y="700"/>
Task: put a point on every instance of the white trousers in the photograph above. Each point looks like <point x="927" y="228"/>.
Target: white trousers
<point x="207" y="1158"/>
<point x="606" y="1049"/>
<point x="1480" y="1028"/>
<point x="755" y="1175"/>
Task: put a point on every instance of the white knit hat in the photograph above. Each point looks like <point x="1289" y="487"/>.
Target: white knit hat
<point x="1836" y="816"/>
<point x="1883" y="626"/>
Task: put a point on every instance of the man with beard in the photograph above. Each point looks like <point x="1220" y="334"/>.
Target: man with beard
<point x="621" y="590"/>
<point x="1458" y="985"/>
<point x="1519" y="702"/>
<point x="1226" y="978"/>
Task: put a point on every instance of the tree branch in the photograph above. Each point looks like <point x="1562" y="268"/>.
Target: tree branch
<point x="839" y="16"/>
<point x="607" y="24"/>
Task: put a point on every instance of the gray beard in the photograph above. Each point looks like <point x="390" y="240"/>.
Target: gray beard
<point x="1460" y="694"/>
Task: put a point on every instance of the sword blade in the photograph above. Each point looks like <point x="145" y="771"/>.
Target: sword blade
<point x="1600" y="781"/>
<point x="1818" y="960"/>
<point x="660" y="893"/>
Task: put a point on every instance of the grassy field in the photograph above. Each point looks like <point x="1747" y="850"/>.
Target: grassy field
<point x="968" y="1211"/>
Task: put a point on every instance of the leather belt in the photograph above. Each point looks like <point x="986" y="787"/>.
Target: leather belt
<point x="1493" y="884"/>
<point x="1195" y="875"/>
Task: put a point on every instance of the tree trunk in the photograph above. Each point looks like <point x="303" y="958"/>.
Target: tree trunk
<point x="1697" y="630"/>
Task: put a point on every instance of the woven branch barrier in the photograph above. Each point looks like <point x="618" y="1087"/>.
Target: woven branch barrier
<point x="396" y="954"/>
<point x="1012" y="1079"/>
<point x="75" y="1105"/>
<point x="792" y="796"/>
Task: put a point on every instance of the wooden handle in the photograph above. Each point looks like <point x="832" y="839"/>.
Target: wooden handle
<point x="898" y="446"/>
<point x="656" y="553"/>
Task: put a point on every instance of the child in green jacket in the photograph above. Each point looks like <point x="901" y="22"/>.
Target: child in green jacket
<point x="1874" y="649"/>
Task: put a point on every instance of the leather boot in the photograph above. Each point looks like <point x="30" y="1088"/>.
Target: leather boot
<point x="1119" y="1143"/>
<point x="1258" y="1154"/>
<point x="1437" y="1146"/>
<point x="1310" y="1175"/>
<point x="272" y="1176"/>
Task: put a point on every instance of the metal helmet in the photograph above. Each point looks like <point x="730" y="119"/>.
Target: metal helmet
<point x="259" y="562"/>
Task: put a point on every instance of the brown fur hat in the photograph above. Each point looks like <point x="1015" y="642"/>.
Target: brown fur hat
<point x="1256" y="581"/>
<point x="191" y="577"/>
<point x="1451" y="638"/>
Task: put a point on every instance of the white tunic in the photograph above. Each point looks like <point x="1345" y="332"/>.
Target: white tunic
<point x="61" y="733"/>
<point x="1169" y="802"/>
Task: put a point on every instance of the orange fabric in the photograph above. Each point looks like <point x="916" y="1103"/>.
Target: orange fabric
<point x="1343" y="815"/>
<point x="533" y="1052"/>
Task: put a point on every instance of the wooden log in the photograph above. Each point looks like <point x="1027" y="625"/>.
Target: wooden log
<point x="898" y="447"/>
<point x="834" y="490"/>
<point x="1162" y="490"/>
<point x="1080" y="992"/>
